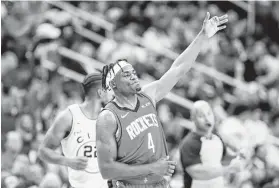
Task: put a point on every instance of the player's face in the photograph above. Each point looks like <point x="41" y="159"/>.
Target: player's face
<point x="204" y="118"/>
<point x="127" y="80"/>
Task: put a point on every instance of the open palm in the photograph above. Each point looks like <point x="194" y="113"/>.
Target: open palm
<point x="211" y="26"/>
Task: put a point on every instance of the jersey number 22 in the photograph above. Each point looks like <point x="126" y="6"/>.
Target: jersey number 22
<point x="88" y="150"/>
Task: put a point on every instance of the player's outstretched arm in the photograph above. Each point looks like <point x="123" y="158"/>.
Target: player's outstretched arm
<point x="52" y="141"/>
<point x="160" y="88"/>
<point x="107" y="153"/>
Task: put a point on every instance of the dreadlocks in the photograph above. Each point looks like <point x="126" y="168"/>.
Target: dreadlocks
<point x="107" y="69"/>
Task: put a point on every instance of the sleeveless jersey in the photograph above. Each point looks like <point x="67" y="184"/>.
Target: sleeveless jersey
<point x="82" y="142"/>
<point x="140" y="137"/>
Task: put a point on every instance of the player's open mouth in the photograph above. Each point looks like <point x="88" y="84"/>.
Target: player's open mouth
<point x="208" y="124"/>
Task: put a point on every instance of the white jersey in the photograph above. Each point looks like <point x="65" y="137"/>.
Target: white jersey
<point x="211" y="154"/>
<point x="82" y="142"/>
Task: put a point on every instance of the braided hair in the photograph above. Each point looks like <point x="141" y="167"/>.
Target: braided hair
<point x="107" y="69"/>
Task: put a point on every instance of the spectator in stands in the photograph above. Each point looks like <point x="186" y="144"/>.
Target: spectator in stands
<point x="268" y="65"/>
<point x="25" y="126"/>
<point x="51" y="180"/>
<point x="11" y="150"/>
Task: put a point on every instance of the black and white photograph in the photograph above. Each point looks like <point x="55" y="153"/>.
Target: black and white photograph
<point x="139" y="94"/>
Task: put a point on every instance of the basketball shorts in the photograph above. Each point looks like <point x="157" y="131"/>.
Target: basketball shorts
<point x="161" y="184"/>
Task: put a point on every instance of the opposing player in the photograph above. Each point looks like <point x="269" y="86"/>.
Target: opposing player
<point x="130" y="138"/>
<point x="202" y="151"/>
<point x="75" y="130"/>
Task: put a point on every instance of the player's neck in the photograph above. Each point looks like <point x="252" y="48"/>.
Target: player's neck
<point x="203" y="133"/>
<point x="91" y="108"/>
<point x="126" y="101"/>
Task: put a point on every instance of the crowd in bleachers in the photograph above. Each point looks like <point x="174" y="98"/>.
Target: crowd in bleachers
<point x="32" y="95"/>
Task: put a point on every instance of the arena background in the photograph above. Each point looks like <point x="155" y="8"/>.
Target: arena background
<point x="48" y="47"/>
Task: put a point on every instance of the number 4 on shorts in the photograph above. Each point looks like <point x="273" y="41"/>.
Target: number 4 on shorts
<point x="150" y="143"/>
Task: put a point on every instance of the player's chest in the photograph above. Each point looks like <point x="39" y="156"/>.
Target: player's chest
<point x="83" y="132"/>
<point x="138" y="124"/>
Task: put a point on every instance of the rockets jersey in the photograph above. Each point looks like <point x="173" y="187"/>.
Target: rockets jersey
<point x="140" y="137"/>
<point x="81" y="142"/>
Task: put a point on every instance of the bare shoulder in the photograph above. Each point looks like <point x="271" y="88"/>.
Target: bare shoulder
<point x="65" y="115"/>
<point x="63" y="121"/>
<point x="150" y="90"/>
<point x="61" y="125"/>
<point x="107" y="121"/>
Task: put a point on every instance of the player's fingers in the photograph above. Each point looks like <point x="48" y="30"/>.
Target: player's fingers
<point x="222" y="27"/>
<point x="170" y="171"/>
<point x="207" y="17"/>
<point x="172" y="163"/>
<point x="223" y="17"/>
<point x="172" y="167"/>
<point x="215" y="19"/>
<point x="169" y="174"/>
<point x="85" y="159"/>
<point x="223" y="21"/>
<point x="82" y="167"/>
<point x="165" y="158"/>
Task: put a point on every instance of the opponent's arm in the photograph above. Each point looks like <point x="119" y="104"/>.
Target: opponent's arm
<point x="54" y="135"/>
<point x="206" y="172"/>
<point x="107" y="153"/>
<point x="160" y="88"/>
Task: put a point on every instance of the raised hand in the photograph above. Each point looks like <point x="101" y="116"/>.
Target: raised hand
<point x="211" y="26"/>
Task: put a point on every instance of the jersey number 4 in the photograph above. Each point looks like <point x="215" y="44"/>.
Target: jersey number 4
<point x="150" y="143"/>
<point x="88" y="150"/>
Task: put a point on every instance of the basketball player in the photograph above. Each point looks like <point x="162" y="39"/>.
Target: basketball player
<point x="202" y="151"/>
<point x="75" y="129"/>
<point x="130" y="138"/>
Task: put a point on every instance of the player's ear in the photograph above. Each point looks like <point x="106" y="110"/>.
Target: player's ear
<point x="112" y="84"/>
<point x="100" y="92"/>
<point x="193" y="114"/>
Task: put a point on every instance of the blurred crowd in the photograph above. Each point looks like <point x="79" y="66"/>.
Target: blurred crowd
<point x="32" y="32"/>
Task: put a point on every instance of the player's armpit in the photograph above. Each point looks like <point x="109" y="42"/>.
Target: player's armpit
<point x="205" y="172"/>
<point x="107" y="151"/>
<point x="52" y="140"/>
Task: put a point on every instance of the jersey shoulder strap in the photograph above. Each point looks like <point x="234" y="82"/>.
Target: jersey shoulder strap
<point x="75" y="110"/>
<point x="142" y="94"/>
<point x="72" y="109"/>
